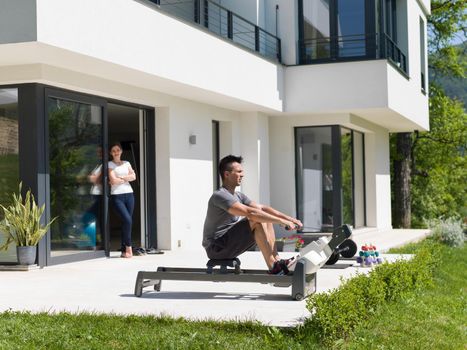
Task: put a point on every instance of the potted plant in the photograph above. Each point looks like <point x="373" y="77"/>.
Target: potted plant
<point x="292" y="243"/>
<point x="22" y="225"/>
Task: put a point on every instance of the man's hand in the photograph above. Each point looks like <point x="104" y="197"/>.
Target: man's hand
<point x="298" y="223"/>
<point x="289" y="225"/>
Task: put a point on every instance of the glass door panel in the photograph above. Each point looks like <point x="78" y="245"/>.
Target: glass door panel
<point x="314" y="178"/>
<point x="75" y="163"/>
<point x="9" y="159"/>
<point x="359" y="179"/>
<point x="347" y="176"/>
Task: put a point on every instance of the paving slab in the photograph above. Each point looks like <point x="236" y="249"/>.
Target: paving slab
<point x="106" y="285"/>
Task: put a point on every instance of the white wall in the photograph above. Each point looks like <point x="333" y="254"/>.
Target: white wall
<point x="407" y="99"/>
<point x="136" y="36"/>
<point x="287" y="27"/>
<point x="254" y="136"/>
<point x="378" y="181"/>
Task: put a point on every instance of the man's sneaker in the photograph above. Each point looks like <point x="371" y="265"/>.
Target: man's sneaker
<point x="290" y="262"/>
<point x="278" y="269"/>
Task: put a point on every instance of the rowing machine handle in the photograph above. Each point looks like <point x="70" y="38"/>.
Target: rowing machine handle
<point x="289" y="228"/>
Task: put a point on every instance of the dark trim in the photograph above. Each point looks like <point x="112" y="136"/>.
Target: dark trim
<point x="336" y="175"/>
<point x="206" y="13"/>
<point x="217" y="159"/>
<point x="105" y="224"/>
<point x="230" y="25"/>
<point x="57" y="260"/>
<point x="353" y="175"/>
<point x="297" y="177"/>
<point x="197" y="11"/>
<point x="32" y="162"/>
<point x="301" y="22"/>
<point x="256" y="38"/>
<point x="364" y="179"/>
<point x="151" y="198"/>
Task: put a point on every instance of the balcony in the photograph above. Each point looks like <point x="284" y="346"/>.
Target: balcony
<point x="352" y="48"/>
<point x="224" y="23"/>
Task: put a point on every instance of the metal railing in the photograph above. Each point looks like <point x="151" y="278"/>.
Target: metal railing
<point x="224" y="23"/>
<point x="351" y="47"/>
<point x="393" y="53"/>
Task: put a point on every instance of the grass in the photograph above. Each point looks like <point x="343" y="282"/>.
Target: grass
<point x="433" y="319"/>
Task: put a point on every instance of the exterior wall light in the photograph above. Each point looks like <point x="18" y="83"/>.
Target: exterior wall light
<point x="192" y="139"/>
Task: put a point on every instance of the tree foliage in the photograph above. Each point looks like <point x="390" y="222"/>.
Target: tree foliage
<point x="438" y="170"/>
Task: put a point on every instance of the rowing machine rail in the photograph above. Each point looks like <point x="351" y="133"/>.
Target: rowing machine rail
<point x="302" y="277"/>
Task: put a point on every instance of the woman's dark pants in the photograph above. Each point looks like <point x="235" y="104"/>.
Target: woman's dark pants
<point x="124" y="204"/>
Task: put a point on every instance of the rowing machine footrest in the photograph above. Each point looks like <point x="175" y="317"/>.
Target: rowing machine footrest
<point x="223" y="263"/>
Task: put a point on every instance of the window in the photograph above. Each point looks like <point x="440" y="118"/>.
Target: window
<point x="351" y="28"/>
<point x="9" y="158"/>
<point x="330" y="183"/>
<point x="422" y="55"/>
<point x="336" y="30"/>
<point x="390" y="19"/>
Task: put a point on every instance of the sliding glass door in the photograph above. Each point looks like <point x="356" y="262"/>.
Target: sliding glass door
<point x="330" y="180"/>
<point x="77" y="175"/>
<point x="9" y="159"/>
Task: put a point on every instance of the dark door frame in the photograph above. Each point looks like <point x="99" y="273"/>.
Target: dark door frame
<point x="33" y="157"/>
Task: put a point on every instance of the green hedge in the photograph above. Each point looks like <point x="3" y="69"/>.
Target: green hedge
<point x="337" y="313"/>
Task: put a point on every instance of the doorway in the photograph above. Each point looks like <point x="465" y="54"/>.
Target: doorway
<point x="124" y="127"/>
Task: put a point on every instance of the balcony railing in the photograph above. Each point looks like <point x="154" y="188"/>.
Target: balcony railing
<point x="351" y="47"/>
<point x="224" y="23"/>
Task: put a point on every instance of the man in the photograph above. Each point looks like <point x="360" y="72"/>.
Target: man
<point x="227" y="235"/>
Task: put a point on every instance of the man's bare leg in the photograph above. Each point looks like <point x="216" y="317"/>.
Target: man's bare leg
<point x="266" y="241"/>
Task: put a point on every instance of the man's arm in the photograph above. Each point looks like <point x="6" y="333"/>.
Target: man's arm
<point x="255" y="212"/>
<point x="278" y="214"/>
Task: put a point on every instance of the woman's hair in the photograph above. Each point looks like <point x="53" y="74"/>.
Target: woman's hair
<point x="113" y="144"/>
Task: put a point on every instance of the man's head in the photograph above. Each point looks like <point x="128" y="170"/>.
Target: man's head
<point x="230" y="170"/>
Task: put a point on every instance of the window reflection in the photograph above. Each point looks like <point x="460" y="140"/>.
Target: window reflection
<point x="315" y="179"/>
<point x="9" y="158"/>
<point x="75" y="175"/>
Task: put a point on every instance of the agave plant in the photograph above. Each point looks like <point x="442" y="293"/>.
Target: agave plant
<point x="21" y="222"/>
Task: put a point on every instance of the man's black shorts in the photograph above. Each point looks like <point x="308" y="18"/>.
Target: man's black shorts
<point x="235" y="241"/>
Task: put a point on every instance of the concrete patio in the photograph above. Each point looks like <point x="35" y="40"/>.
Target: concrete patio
<point x="106" y="286"/>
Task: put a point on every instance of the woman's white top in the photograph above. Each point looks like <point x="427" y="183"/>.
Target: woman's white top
<point x="120" y="170"/>
<point x="96" y="188"/>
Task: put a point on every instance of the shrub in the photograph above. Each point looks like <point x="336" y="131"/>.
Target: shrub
<point x="337" y="313"/>
<point x="448" y="231"/>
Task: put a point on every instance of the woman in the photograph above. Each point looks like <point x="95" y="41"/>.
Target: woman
<point x="121" y="194"/>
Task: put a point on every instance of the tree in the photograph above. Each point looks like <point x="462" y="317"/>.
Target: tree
<point x="427" y="167"/>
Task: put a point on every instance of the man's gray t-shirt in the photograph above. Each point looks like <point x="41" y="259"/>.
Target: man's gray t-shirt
<point x="218" y="219"/>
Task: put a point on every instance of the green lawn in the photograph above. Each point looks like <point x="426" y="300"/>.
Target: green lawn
<point x="433" y="319"/>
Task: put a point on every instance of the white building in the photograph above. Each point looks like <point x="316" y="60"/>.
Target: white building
<point x="307" y="91"/>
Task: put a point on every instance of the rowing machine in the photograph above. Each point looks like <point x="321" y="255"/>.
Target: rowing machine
<point x="302" y="275"/>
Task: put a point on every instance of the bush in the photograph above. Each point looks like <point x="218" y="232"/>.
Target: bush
<point x="448" y="231"/>
<point x="336" y="314"/>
